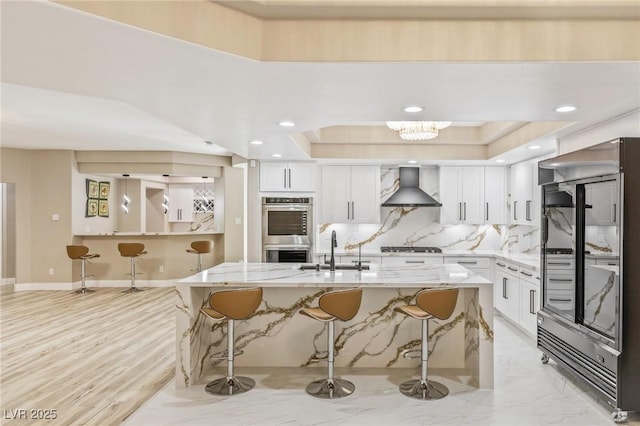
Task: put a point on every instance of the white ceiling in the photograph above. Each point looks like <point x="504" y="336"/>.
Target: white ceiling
<point x="76" y="81"/>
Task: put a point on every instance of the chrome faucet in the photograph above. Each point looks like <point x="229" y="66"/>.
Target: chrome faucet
<point x="334" y="243"/>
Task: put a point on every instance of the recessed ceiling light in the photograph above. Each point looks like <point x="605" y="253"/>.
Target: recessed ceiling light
<point x="256" y="142"/>
<point x="412" y="161"/>
<point x="534" y="147"/>
<point x="276" y="155"/>
<point x="499" y="160"/>
<point x="413" y="108"/>
<point x="566" y="108"/>
<point x="287" y="123"/>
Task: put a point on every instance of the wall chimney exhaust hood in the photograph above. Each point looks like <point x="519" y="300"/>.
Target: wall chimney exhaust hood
<point x="409" y="194"/>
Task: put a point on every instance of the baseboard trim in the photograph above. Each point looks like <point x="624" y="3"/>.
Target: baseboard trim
<point x="91" y="284"/>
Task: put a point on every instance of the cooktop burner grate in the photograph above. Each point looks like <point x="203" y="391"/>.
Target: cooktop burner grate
<point x="407" y="249"/>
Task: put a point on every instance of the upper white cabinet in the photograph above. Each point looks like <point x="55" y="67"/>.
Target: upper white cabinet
<point x="525" y="193"/>
<point x="495" y="195"/>
<point x="180" y="203"/>
<point x="602" y="201"/>
<point x="287" y="176"/>
<point x="350" y="194"/>
<point x="462" y="195"/>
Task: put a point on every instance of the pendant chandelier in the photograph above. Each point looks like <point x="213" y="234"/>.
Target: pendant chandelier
<point x="417" y="130"/>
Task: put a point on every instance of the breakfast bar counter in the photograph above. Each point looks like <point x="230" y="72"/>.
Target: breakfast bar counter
<point x="276" y="336"/>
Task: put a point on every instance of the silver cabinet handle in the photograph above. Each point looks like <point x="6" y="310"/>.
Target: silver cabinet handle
<point x="465" y="211"/>
<point x="414" y="261"/>
<point x="459" y="211"/>
<point x="512" y="268"/>
<point x="486" y="215"/>
<point x="532" y="295"/>
<point x="364" y="261"/>
<point x="612" y="263"/>
<point x="284" y="175"/>
<point x="527" y="205"/>
<point x="615" y="213"/>
<point x="502" y="265"/>
<point x="526" y="273"/>
<point x="561" y="280"/>
<point x="348" y="210"/>
<point x="559" y="300"/>
<point x="353" y="210"/>
<point x="504" y="288"/>
<point x="289" y="178"/>
<point x="559" y="263"/>
<point x="515" y="217"/>
<point x="467" y="262"/>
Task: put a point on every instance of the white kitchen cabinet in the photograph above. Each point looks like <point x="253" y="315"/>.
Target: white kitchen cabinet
<point x="525" y="193"/>
<point x="529" y="306"/>
<point x="412" y="260"/>
<point x="507" y="287"/>
<point x="462" y="195"/>
<point x="495" y="195"/>
<point x="479" y="265"/>
<point x="287" y="176"/>
<point x="180" y="204"/>
<point x="601" y="197"/>
<point x="350" y="194"/>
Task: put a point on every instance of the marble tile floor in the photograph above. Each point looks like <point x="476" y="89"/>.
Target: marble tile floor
<point x="526" y="393"/>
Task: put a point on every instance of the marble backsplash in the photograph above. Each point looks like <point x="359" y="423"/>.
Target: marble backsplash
<point x="418" y="226"/>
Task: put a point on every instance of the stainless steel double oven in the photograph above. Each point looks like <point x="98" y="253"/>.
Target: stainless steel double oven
<point x="287" y="229"/>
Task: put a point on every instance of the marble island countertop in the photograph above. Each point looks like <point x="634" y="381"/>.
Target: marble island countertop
<point x="290" y="275"/>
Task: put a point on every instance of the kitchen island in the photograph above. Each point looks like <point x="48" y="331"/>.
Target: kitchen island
<point x="276" y="336"/>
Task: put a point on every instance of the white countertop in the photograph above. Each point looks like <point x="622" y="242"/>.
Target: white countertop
<point x="289" y="275"/>
<point x="144" y="234"/>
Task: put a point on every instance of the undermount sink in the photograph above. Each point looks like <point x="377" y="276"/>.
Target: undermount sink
<point x="339" y="267"/>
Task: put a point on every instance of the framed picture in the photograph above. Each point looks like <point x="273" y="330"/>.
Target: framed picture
<point x="104" y="190"/>
<point x="103" y="208"/>
<point x="92" y="207"/>
<point x="92" y="189"/>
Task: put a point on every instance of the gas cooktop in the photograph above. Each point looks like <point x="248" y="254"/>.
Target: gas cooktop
<point x="406" y="249"/>
<point x="553" y="250"/>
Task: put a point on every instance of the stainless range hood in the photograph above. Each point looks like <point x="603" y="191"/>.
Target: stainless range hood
<point x="409" y="194"/>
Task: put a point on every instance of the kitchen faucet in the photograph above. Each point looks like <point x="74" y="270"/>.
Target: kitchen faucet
<point x="334" y="243"/>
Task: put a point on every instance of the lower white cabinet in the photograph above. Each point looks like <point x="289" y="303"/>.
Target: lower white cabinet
<point x="517" y="294"/>
<point x="479" y="265"/>
<point x="412" y="260"/>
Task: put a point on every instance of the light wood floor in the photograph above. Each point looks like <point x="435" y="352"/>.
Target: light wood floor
<point x="94" y="358"/>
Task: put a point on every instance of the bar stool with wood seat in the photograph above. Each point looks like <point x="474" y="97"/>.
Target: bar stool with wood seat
<point x="232" y="304"/>
<point x="342" y="305"/>
<point x="430" y="303"/>
<point x="200" y="248"/>
<point x="132" y="251"/>
<point x="81" y="253"/>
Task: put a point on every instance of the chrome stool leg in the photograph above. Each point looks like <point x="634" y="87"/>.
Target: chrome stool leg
<point x="330" y="388"/>
<point x="83" y="288"/>
<point x="423" y="388"/>
<point x="133" y="288"/>
<point x="231" y="384"/>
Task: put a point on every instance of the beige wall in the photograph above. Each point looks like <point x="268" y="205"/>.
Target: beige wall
<point x="233" y="209"/>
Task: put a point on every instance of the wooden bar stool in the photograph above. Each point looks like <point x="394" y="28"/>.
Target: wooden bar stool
<point x="430" y="303"/>
<point x="232" y="304"/>
<point x="200" y="248"/>
<point x="342" y="305"/>
<point x="132" y="251"/>
<point x="82" y="253"/>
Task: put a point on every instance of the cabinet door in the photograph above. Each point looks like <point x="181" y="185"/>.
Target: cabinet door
<point x="450" y="195"/>
<point x="335" y="194"/>
<point x="301" y="177"/>
<point x="495" y="195"/>
<point x="529" y="305"/>
<point x="532" y="204"/>
<point x="508" y="302"/>
<point x="473" y="195"/>
<point x="365" y="194"/>
<point x="520" y="192"/>
<point x="180" y="204"/>
<point x="273" y="176"/>
<point x="412" y="260"/>
<point x="601" y="196"/>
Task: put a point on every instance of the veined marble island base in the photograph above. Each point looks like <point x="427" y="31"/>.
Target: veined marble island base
<point x="277" y="336"/>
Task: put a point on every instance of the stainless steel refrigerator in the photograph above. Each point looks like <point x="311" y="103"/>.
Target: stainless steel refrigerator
<point x="589" y="321"/>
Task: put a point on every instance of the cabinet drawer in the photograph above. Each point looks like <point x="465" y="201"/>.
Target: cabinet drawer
<point x="610" y="262"/>
<point x="470" y="262"/>
<point x="530" y="276"/>
<point x="560" y="264"/>
<point x="411" y="260"/>
<point x="364" y="259"/>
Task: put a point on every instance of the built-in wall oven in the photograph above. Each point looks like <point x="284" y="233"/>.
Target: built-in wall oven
<point x="287" y="229"/>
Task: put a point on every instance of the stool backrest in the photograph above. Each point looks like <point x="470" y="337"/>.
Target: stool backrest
<point x="130" y="249"/>
<point x="237" y="304"/>
<point x="342" y="304"/>
<point x="76" y="252"/>
<point x="438" y="302"/>
<point x="202" y="246"/>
